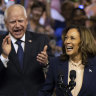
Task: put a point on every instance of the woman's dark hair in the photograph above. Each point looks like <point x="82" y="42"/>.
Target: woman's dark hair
<point x="0" y="1"/>
<point x="38" y="4"/>
<point x="87" y="45"/>
<point x="78" y="16"/>
<point x="66" y="9"/>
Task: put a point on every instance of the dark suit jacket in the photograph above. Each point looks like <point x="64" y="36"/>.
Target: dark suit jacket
<point x="61" y="67"/>
<point x="17" y="82"/>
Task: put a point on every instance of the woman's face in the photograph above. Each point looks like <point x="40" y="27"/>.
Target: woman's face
<point x="37" y="13"/>
<point x="71" y="42"/>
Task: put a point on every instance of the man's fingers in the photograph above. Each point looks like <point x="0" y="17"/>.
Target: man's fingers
<point x="42" y="57"/>
<point x="7" y="39"/>
<point x="45" y="48"/>
<point x="43" y="53"/>
<point x="40" y="61"/>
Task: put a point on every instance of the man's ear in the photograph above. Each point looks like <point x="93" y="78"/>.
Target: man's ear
<point x="5" y="22"/>
<point x="26" y="21"/>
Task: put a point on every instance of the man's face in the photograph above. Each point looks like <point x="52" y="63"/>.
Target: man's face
<point x="16" y="22"/>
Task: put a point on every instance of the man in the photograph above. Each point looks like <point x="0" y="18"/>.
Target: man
<point x="21" y="77"/>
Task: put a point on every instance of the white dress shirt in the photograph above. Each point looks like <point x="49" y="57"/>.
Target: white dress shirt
<point x="4" y="60"/>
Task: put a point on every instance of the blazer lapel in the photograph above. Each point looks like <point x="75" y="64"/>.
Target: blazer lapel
<point x="64" y="70"/>
<point x="87" y="77"/>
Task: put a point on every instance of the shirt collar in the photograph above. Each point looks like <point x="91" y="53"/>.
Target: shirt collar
<point x="14" y="40"/>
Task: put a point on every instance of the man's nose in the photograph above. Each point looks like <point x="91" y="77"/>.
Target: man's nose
<point x="17" y="24"/>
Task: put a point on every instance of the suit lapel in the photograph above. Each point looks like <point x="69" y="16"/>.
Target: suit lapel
<point x="13" y="58"/>
<point x="30" y="50"/>
<point x="27" y="53"/>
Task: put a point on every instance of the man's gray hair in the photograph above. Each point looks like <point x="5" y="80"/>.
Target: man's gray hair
<point x="6" y="11"/>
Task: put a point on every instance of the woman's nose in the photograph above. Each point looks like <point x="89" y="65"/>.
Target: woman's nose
<point x="68" y="40"/>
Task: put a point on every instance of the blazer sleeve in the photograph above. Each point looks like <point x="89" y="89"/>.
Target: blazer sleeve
<point x="48" y="86"/>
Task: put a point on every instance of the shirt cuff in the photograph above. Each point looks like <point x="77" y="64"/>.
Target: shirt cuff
<point x="4" y="61"/>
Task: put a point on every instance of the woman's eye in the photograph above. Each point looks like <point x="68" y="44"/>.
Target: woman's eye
<point x="65" y="37"/>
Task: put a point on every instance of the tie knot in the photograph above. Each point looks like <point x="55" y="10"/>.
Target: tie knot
<point x="18" y="42"/>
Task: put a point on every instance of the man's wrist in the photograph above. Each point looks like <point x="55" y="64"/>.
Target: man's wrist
<point x="4" y="60"/>
<point x="47" y="64"/>
<point x="5" y="56"/>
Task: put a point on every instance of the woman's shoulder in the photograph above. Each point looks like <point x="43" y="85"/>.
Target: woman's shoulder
<point x="92" y="60"/>
<point x="56" y="60"/>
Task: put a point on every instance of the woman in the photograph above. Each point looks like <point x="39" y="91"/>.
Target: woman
<point x="79" y="54"/>
<point x="78" y="17"/>
<point x="37" y="10"/>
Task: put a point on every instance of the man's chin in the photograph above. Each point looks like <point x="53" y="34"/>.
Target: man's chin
<point x="18" y="36"/>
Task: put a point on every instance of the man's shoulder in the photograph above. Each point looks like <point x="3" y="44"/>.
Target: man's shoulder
<point x="2" y="36"/>
<point x="37" y="35"/>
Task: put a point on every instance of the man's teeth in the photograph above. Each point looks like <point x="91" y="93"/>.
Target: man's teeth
<point x="17" y="30"/>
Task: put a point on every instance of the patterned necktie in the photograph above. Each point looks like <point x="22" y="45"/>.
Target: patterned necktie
<point x="20" y="53"/>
